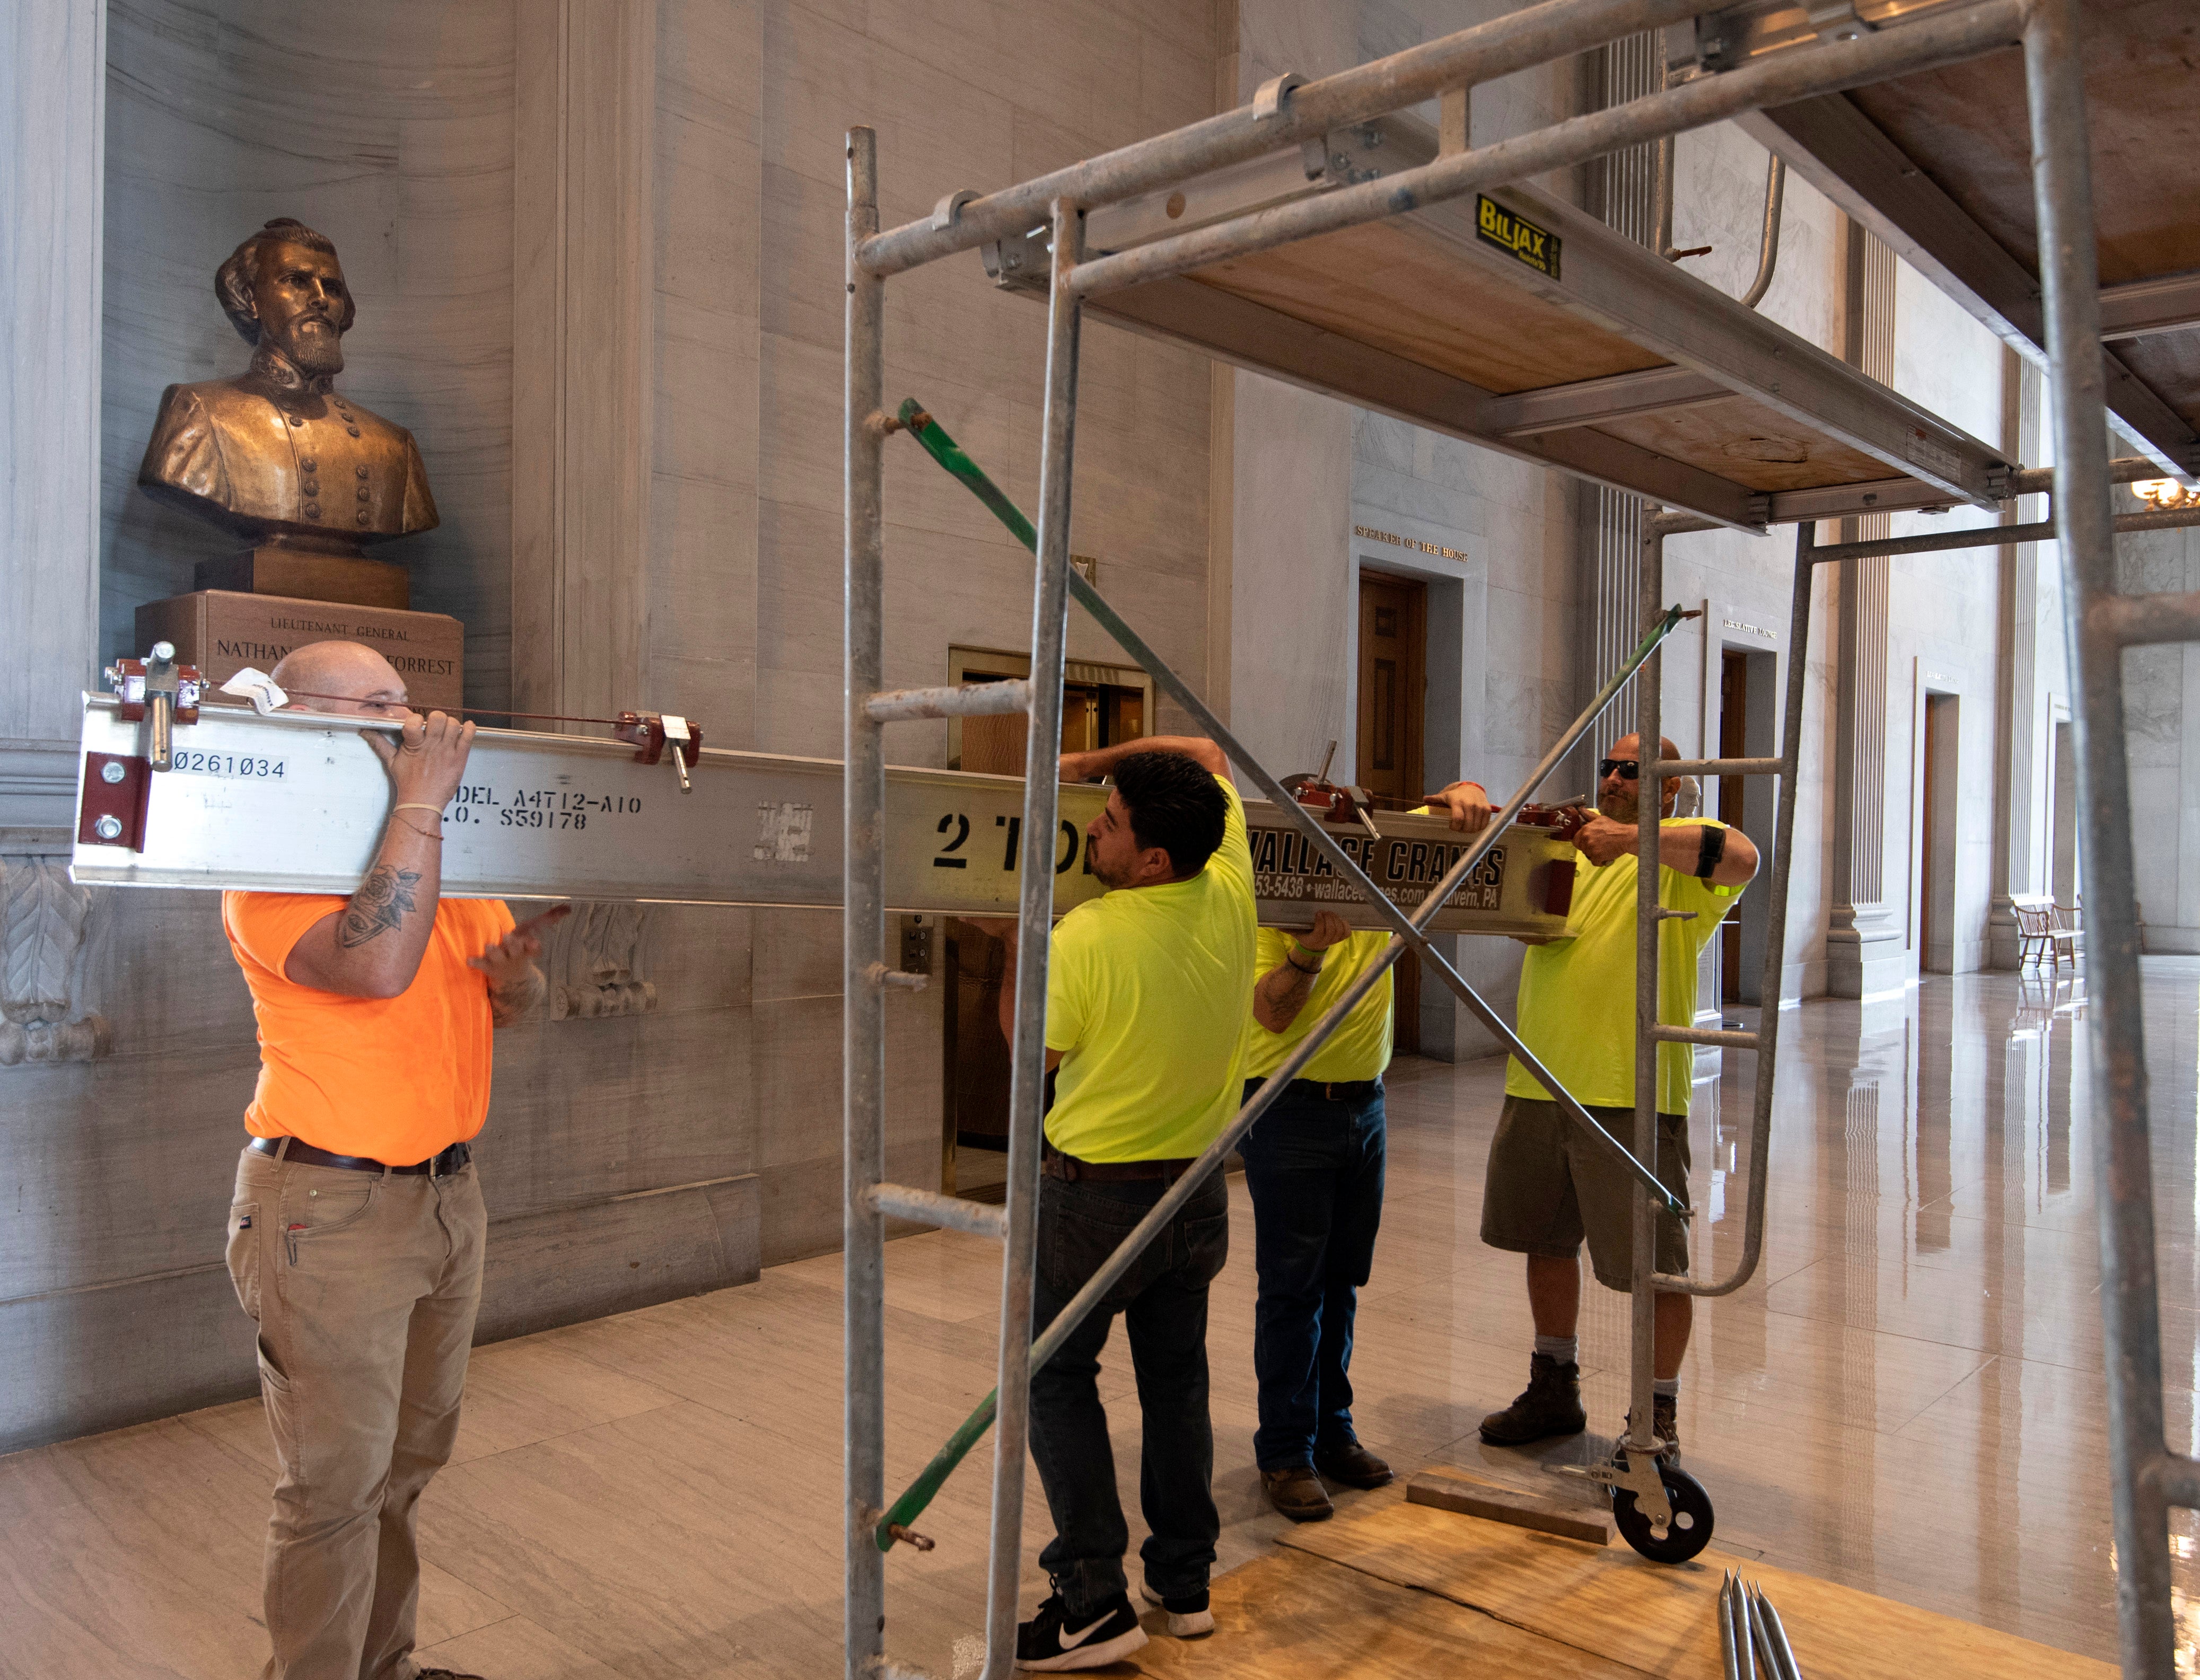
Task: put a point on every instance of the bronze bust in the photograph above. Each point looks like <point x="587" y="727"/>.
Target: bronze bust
<point x="277" y="455"/>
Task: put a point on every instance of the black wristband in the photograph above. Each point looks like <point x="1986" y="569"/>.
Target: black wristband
<point x="1710" y="849"/>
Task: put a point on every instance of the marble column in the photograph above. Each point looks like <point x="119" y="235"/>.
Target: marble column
<point x="52" y="158"/>
<point x="2016" y="667"/>
<point x="1623" y="191"/>
<point x="1863" y="936"/>
<point x="583" y="314"/>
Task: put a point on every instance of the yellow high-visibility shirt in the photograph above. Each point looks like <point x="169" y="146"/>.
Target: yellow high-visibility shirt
<point x="1360" y="1048"/>
<point x="1148" y="988"/>
<point x="1577" y="1009"/>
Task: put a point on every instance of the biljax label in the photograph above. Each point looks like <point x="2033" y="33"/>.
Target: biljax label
<point x="1537" y="246"/>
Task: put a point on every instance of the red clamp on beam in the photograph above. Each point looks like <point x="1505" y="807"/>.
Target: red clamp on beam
<point x="127" y="677"/>
<point x="1336" y="802"/>
<point x="646" y="730"/>
<point x="111" y="809"/>
<point x="653" y="731"/>
<point x="1564" y="822"/>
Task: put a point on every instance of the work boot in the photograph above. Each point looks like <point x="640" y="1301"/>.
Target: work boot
<point x="1352" y="1465"/>
<point x="1551" y="1405"/>
<point x="1665" y="1424"/>
<point x="1298" y="1493"/>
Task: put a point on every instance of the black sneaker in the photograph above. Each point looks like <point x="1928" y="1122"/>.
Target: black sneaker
<point x="1189" y="1618"/>
<point x="1054" y="1641"/>
<point x="1550" y="1405"/>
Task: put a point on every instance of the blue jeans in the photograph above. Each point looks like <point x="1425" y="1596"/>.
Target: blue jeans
<point x="1163" y="1301"/>
<point x="1315" y="1168"/>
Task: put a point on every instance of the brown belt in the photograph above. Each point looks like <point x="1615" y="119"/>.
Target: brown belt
<point x="436" y="1166"/>
<point x="1068" y="1167"/>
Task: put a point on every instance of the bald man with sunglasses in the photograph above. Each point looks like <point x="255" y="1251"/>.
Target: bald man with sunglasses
<point x="1548" y="1186"/>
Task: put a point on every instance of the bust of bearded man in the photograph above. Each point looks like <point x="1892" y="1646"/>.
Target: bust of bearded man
<point x="277" y="455"/>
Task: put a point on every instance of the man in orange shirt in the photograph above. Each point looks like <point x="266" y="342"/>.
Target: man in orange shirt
<point x="355" y="1238"/>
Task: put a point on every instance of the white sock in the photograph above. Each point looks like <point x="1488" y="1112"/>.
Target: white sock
<point x="1565" y="1349"/>
<point x="1668" y="1386"/>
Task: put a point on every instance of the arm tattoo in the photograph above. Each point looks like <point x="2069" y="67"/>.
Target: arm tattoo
<point x="383" y="900"/>
<point x="1287" y="988"/>
<point x="508" y="1004"/>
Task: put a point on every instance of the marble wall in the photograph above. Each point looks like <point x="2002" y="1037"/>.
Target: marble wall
<point x="386" y="127"/>
<point x="597" y="252"/>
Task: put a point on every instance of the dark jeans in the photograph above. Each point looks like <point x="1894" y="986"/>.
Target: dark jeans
<point x="1315" y="1168"/>
<point x="1163" y="1301"/>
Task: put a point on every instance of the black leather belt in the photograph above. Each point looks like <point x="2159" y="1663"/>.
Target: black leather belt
<point x="1055" y="1164"/>
<point x="1329" y="1090"/>
<point x="436" y="1166"/>
<point x="1337" y="1090"/>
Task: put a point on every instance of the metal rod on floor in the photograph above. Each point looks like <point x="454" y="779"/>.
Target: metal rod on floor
<point x="1799" y="72"/>
<point x="1773" y="979"/>
<point x="1034" y="931"/>
<point x="2130" y="1308"/>
<point x="863" y="934"/>
<point x="1517" y="41"/>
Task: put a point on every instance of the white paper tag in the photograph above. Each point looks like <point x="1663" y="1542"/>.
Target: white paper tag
<point x="259" y="688"/>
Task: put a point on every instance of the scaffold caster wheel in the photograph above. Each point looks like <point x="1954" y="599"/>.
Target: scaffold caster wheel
<point x="1688" y="1533"/>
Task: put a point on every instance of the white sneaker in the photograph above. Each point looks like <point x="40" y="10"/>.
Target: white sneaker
<point x="1189" y="1618"/>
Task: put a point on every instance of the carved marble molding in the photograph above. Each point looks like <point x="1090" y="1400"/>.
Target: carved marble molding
<point x="593" y="961"/>
<point x="42" y="915"/>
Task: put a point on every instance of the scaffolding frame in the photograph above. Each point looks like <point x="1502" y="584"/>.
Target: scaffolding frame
<point x="2147" y="1475"/>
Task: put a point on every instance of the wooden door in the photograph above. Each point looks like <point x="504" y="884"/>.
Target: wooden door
<point x="1393" y="699"/>
<point x="1732" y="742"/>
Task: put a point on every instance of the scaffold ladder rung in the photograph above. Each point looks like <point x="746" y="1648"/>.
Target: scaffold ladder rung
<point x="953" y="700"/>
<point x="930" y="1207"/>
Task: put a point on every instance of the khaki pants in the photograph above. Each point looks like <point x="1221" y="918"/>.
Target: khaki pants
<point x="1547" y="1186"/>
<point x="365" y="1288"/>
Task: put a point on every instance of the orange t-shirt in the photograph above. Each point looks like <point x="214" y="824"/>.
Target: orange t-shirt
<point x="394" y="1079"/>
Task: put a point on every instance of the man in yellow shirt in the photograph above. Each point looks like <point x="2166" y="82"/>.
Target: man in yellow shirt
<point x="1147" y="989"/>
<point x="1549" y="1186"/>
<point x="1314" y="1167"/>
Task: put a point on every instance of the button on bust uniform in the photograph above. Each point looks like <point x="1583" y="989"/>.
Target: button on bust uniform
<point x="276" y="453"/>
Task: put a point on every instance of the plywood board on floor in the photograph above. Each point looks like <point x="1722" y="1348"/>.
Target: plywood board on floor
<point x="1291" y="1616"/>
<point x="1611" y="1605"/>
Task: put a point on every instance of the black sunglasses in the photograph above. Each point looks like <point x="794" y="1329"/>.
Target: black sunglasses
<point x="1628" y="768"/>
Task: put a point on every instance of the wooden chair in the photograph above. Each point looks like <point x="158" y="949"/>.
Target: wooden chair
<point x="2042" y="930"/>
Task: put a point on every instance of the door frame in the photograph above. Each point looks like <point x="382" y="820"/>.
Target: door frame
<point x="961" y="660"/>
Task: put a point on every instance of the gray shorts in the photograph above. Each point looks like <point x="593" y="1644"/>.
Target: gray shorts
<point x="1550" y="1185"/>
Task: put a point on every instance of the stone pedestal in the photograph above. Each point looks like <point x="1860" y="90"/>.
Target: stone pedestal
<point x="221" y="631"/>
<point x="298" y="575"/>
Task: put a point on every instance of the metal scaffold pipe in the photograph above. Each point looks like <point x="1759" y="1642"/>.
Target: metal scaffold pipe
<point x="1517" y="41"/>
<point x="1803" y="72"/>
<point x="862" y="1047"/>
<point x="2054" y="63"/>
<point x="1034" y="930"/>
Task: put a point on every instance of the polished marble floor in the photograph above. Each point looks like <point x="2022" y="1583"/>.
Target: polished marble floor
<point x="1907" y="1398"/>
